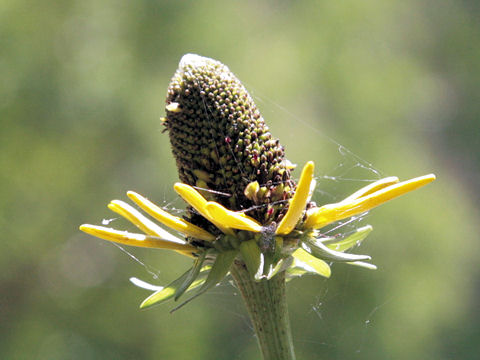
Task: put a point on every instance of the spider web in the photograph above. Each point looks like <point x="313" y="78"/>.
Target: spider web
<point x="350" y="171"/>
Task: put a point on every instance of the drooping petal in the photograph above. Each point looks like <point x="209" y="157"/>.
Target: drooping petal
<point x="231" y="219"/>
<point x="350" y="241"/>
<point x="324" y="215"/>
<point x="220" y="269"/>
<point x="319" y="250"/>
<point x="198" y="202"/>
<point x="192" y="275"/>
<point x="298" y="202"/>
<point x="133" y="239"/>
<point x="170" y="220"/>
<point x="144" y="285"/>
<point x="310" y="263"/>
<point x="363" y="264"/>
<point x="141" y="221"/>
<point x="170" y="290"/>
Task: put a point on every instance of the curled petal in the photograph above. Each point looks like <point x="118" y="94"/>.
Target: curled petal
<point x="198" y="202"/>
<point x="232" y="219"/>
<point x="298" y="202"/>
<point x="322" y="216"/>
<point x="173" y="222"/>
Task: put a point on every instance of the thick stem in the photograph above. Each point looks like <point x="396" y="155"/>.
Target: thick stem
<point x="267" y="305"/>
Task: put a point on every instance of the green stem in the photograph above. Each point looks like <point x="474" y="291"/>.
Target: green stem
<point x="267" y="305"/>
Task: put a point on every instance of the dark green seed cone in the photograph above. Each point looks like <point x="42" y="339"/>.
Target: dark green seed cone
<point x="221" y="143"/>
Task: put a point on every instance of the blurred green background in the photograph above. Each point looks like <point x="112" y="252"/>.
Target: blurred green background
<point x="81" y="92"/>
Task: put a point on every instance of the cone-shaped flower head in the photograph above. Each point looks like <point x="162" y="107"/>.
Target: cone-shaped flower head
<point x="220" y="140"/>
<point x="242" y="204"/>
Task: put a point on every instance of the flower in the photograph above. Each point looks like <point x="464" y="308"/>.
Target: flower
<point x="242" y="203"/>
<point x="298" y="246"/>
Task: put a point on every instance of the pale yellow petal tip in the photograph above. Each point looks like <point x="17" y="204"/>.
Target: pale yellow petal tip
<point x="366" y="228"/>
<point x="391" y="179"/>
<point x="84" y="227"/>
<point x="95" y="229"/>
<point x="328" y="273"/>
<point x="132" y="194"/>
<point x="102" y="232"/>
<point x="190" y="195"/>
<point x="428" y="178"/>
<point x="112" y="206"/>
<point x="307" y="172"/>
<point x="407" y="186"/>
<point x="135" y="197"/>
<point x="118" y="206"/>
<point x="178" y="186"/>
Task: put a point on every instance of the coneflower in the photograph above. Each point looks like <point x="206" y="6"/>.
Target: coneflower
<point x="246" y="217"/>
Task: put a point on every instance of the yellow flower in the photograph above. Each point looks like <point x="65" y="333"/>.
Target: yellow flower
<point x="295" y="245"/>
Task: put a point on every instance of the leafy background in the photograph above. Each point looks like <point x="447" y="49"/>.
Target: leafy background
<point x="81" y="92"/>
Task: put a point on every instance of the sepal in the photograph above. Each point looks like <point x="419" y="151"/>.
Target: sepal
<point x="170" y="290"/>
<point x="253" y="257"/>
<point x="321" y="251"/>
<point x="192" y="275"/>
<point x="220" y="269"/>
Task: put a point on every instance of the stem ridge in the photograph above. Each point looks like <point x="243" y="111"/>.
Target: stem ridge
<point x="267" y="306"/>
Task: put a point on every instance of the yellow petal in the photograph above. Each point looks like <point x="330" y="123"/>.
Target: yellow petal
<point x="232" y="219"/>
<point x="371" y="188"/>
<point x="142" y="222"/>
<point x="198" y="202"/>
<point x="298" y="202"/>
<point x="173" y="222"/>
<point x="132" y="239"/>
<point x="322" y="216"/>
